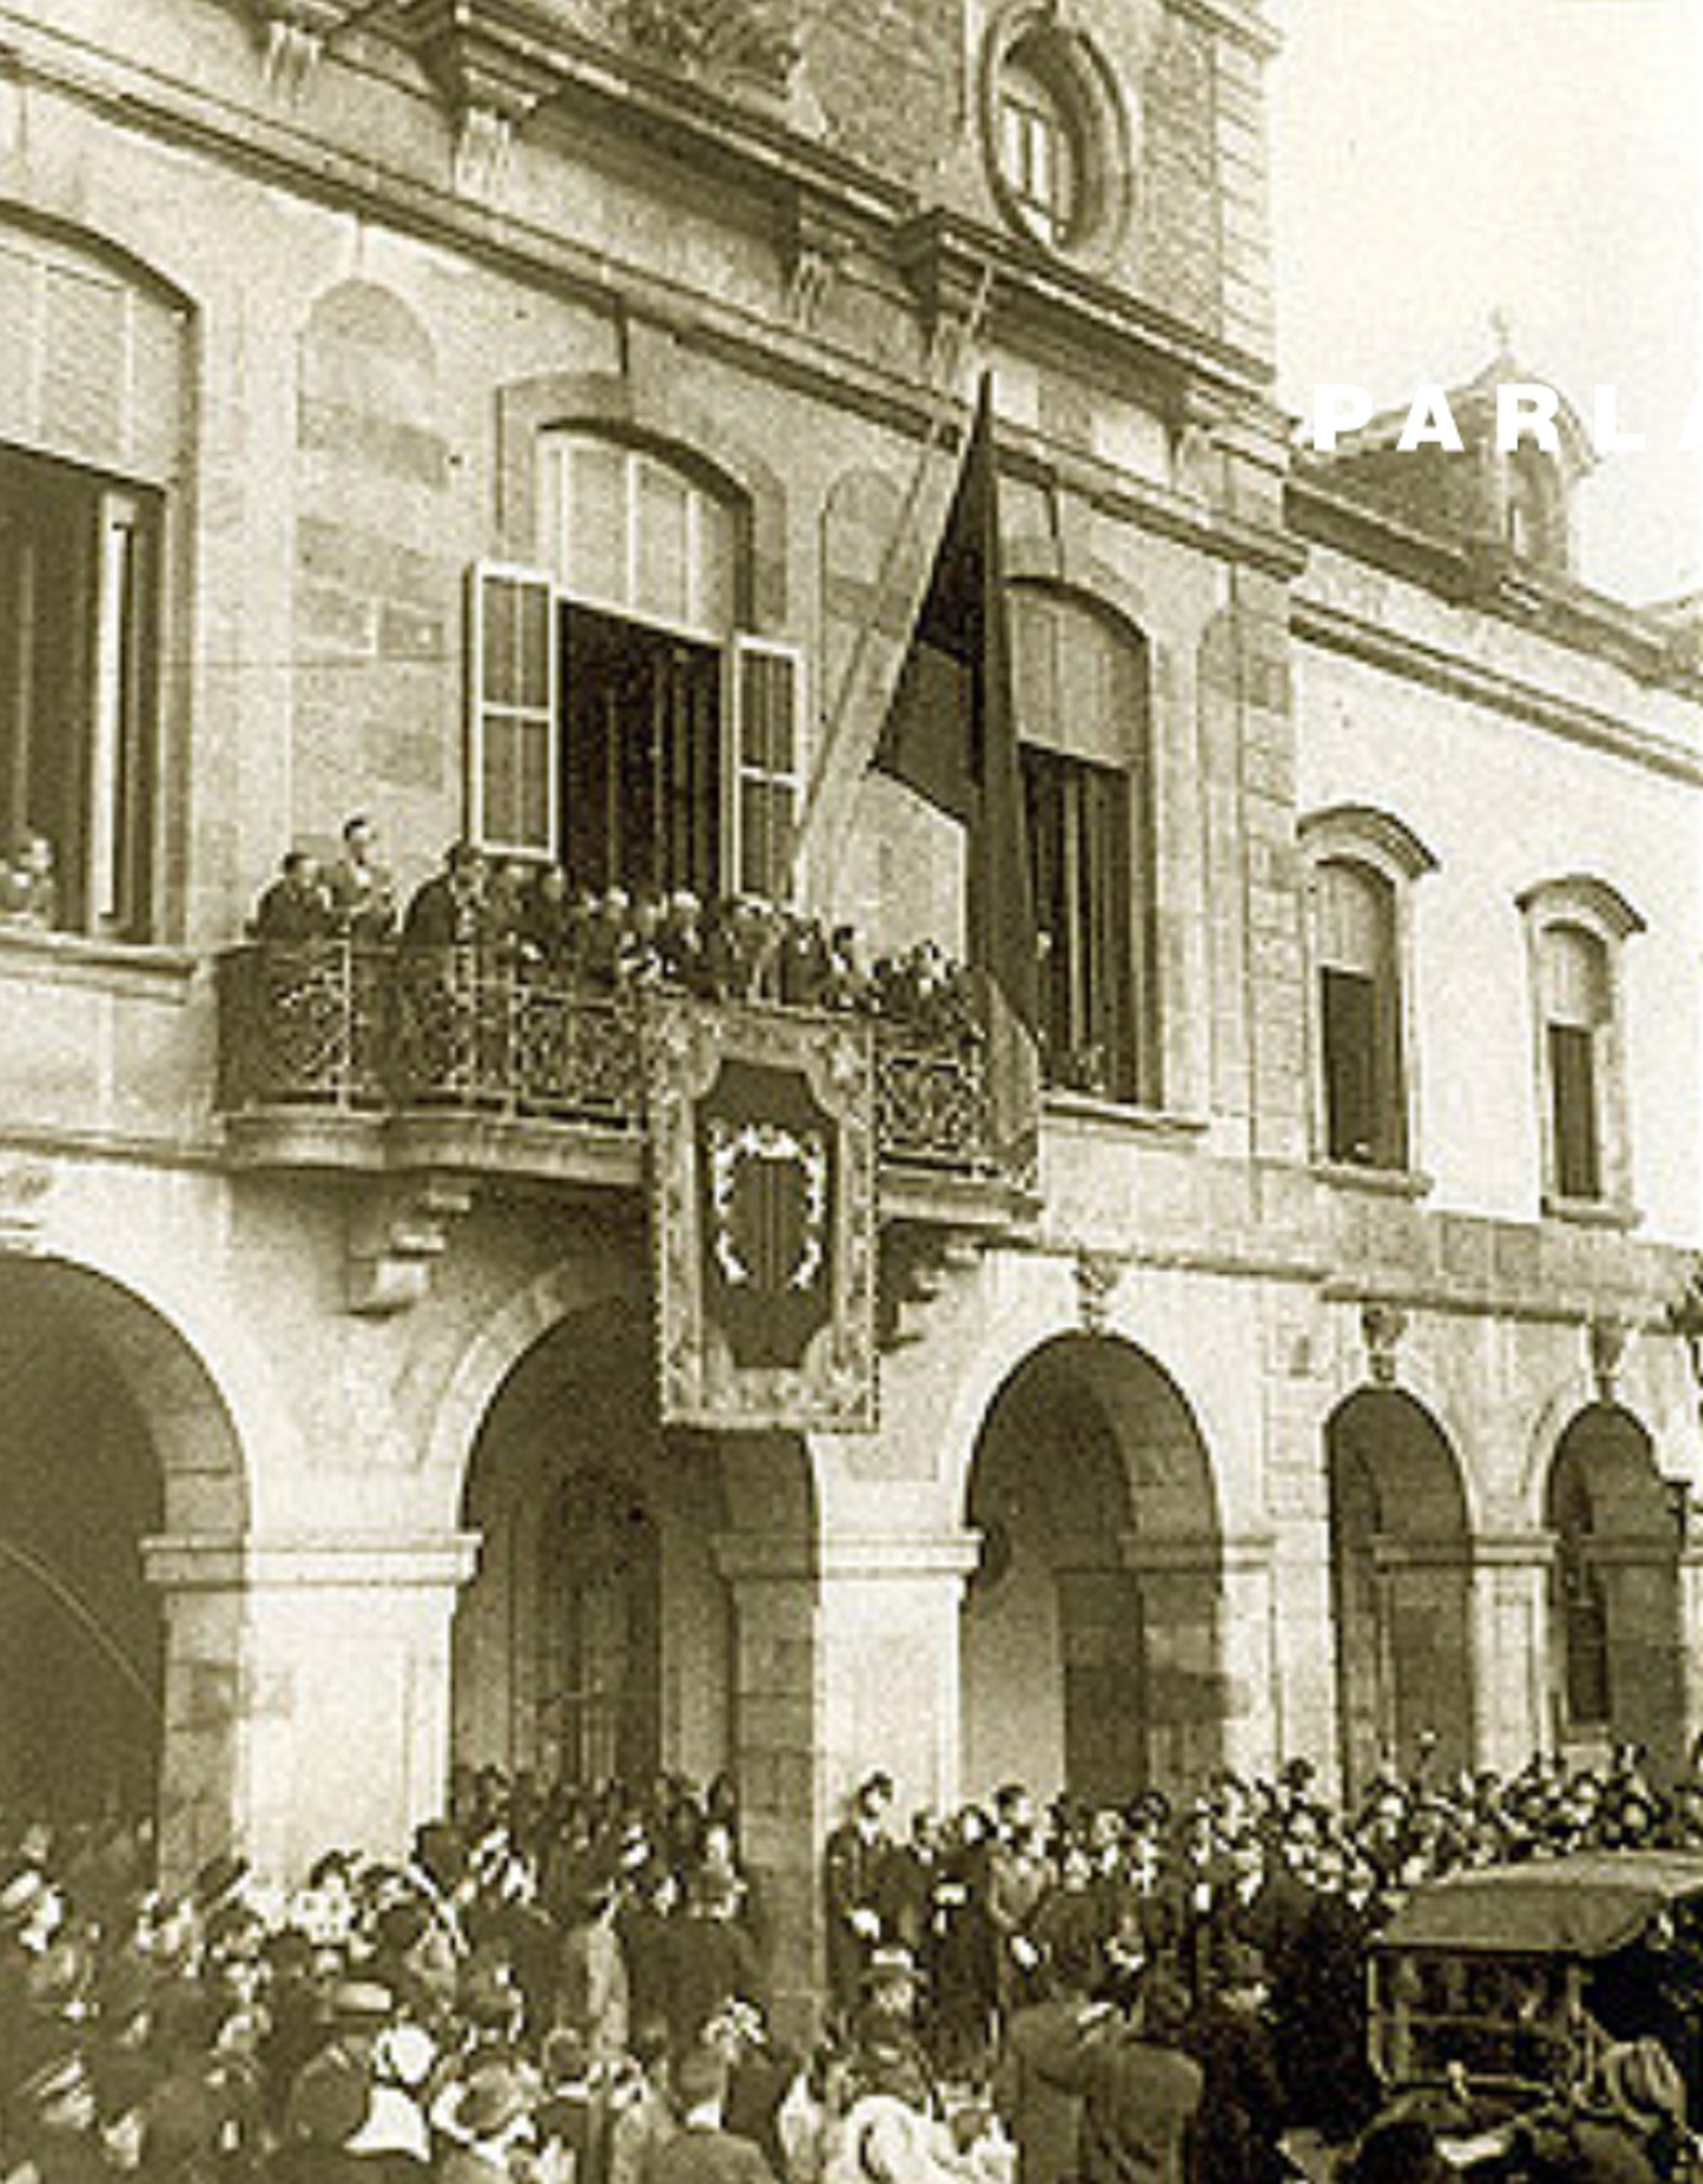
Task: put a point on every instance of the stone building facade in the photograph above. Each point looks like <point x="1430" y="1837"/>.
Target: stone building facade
<point x="414" y="410"/>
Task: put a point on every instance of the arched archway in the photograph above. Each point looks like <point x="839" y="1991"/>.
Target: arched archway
<point x="112" y="1433"/>
<point x="1090" y="1639"/>
<point x="595" y="1639"/>
<point x="1400" y="1584"/>
<point x="598" y="1635"/>
<point x="1616" y="1638"/>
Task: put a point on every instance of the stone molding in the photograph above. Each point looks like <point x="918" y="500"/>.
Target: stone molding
<point x="1207" y="1555"/>
<point x="758" y="1557"/>
<point x="295" y="1561"/>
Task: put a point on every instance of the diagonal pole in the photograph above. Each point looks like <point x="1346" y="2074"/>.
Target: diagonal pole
<point x="945" y="407"/>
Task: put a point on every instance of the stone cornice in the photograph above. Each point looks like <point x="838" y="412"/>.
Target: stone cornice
<point x="1481" y="574"/>
<point x="1336" y="630"/>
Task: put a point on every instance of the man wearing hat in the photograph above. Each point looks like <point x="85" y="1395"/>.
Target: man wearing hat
<point x="341" y="2073"/>
<point x="887" y="2055"/>
<point x="488" y="2120"/>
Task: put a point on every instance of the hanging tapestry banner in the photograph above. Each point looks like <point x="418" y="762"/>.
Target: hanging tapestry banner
<point x="763" y="1216"/>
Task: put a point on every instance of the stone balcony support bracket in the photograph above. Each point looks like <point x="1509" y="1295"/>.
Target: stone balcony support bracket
<point x="398" y="1230"/>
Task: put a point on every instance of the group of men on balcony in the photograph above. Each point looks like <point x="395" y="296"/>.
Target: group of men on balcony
<point x="533" y="919"/>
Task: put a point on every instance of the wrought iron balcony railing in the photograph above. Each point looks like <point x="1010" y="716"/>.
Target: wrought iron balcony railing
<point x="330" y="1026"/>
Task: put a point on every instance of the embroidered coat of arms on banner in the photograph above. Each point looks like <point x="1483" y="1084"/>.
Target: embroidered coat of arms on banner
<point x="763" y="1186"/>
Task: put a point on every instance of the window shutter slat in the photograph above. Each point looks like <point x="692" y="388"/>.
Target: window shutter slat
<point x="514" y="732"/>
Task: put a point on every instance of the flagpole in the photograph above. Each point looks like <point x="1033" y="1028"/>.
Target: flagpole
<point x="944" y="406"/>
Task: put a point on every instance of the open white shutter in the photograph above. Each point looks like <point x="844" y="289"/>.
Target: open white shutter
<point x="513" y="720"/>
<point x="765" y="766"/>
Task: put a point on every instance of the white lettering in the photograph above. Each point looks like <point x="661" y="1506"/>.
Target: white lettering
<point x="1605" y="425"/>
<point x="1338" y="408"/>
<point x="1520" y="402"/>
<point x="1430" y="423"/>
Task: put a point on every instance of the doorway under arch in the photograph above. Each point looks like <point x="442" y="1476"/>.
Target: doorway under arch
<point x="594" y="1642"/>
<point x="1401" y="1595"/>
<point x="1089" y="1636"/>
<point x="1616" y="1634"/>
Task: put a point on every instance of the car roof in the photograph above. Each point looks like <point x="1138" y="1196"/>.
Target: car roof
<point x="1587" y="1905"/>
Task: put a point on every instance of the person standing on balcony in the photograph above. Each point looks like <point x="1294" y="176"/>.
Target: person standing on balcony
<point x="295" y="909"/>
<point x="29" y="892"/>
<point x="449" y="910"/>
<point x="362" y="891"/>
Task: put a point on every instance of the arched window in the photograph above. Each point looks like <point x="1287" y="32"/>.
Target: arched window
<point x="1576" y="929"/>
<point x="1039" y="155"/>
<point x="91" y="404"/>
<point x="624" y="720"/>
<point x="1362" y="863"/>
<point x="1081" y="718"/>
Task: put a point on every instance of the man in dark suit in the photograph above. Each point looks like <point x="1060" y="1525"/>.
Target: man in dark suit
<point x="854" y="1885"/>
<point x="703" y="2153"/>
<point x="296" y="907"/>
<point x="1142" y="2093"/>
<point x="449" y="910"/>
<point x="1242" y="2109"/>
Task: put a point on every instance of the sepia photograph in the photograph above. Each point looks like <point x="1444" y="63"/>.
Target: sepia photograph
<point x="851" y="1091"/>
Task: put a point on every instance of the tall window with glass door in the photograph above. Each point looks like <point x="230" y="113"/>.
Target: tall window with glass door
<point x="624" y="722"/>
<point x="78" y="604"/>
<point x="1081" y="720"/>
<point x="1363" y="1090"/>
<point x="1575" y="1005"/>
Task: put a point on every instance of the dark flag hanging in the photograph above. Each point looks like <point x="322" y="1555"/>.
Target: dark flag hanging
<point x="951" y="734"/>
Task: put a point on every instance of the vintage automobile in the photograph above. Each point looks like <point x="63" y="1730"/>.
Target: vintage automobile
<point x="1495" y="1991"/>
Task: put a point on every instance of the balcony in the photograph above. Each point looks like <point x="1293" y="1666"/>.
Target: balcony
<point x="370" y="1059"/>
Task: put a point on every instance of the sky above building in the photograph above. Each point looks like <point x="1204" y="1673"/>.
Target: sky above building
<point x="1439" y="162"/>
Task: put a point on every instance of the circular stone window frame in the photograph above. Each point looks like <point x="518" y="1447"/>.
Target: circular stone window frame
<point x="1039" y="37"/>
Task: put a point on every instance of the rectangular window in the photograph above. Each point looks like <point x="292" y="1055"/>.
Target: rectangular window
<point x="79" y="560"/>
<point x="1572" y="1073"/>
<point x="1351" y="1120"/>
<point x="1078" y="821"/>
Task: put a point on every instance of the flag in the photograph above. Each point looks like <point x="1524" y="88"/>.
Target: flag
<point x="951" y="734"/>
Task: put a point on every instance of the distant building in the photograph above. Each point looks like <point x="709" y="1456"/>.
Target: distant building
<point x="502" y="418"/>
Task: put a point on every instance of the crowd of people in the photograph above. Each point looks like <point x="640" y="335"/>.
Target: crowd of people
<point x="613" y="939"/>
<point x="572" y="1989"/>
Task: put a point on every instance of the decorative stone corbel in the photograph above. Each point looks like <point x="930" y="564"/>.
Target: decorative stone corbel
<point x="293" y="36"/>
<point x="1098" y="1275"/>
<point x="396" y="1234"/>
<point x="814" y="243"/>
<point x="1606" y="1340"/>
<point x="1382" y="1327"/>
<point x="26" y="1186"/>
<point x="489" y="77"/>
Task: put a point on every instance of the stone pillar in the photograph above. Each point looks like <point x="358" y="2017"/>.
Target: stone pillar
<point x="1206" y="1623"/>
<point x="775" y="1694"/>
<point x="1510" y="1618"/>
<point x="890" y="1644"/>
<point x="1690" y="1645"/>
<point x="307" y="1687"/>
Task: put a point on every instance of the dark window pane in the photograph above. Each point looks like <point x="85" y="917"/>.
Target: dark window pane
<point x="641" y="762"/>
<point x="1350" y="1008"/>
<point x="1572" y="1068"/>
<point x="1078" y="821"/>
